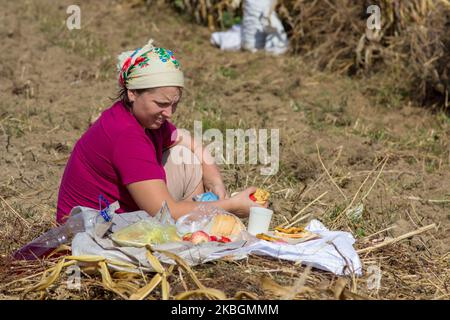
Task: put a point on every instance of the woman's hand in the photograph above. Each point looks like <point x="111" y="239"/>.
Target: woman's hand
<point x="242" y="202"/>
<point x="212" y="179"/>
<point x="217" y="187"/>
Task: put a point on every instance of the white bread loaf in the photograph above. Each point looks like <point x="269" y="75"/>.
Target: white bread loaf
<point x="226" y="225"/>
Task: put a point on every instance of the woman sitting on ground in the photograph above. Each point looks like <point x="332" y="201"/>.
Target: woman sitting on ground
<point x="128" y="153"/>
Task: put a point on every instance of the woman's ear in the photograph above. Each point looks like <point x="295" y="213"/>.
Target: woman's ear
<point x="131" y="96"/>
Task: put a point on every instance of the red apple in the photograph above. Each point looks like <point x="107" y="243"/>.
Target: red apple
<point x="199" y="237"/>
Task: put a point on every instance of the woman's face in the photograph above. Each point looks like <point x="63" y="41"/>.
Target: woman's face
<point x="152" y="108"/>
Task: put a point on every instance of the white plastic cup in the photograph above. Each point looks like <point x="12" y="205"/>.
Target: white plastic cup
<point x="259" y="220"/>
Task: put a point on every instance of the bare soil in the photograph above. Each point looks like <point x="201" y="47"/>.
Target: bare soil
<point x="54" y="82"/>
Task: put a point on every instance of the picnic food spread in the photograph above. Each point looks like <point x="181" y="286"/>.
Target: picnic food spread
<point x="191" y="238"/>
<point x="220" y="227"/>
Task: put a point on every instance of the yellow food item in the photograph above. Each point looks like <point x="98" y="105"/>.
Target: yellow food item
<point x="297" y="235"/>
<point x="226" y="225"/>
<point x="266" y="237"/>
<point x="291" y="230"/>
<point x="261" y="196"/>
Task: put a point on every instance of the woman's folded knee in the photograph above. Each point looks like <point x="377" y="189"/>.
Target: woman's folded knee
<point x="183" y="171"/>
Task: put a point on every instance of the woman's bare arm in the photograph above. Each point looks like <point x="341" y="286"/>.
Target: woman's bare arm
<point x="149" y="195"/>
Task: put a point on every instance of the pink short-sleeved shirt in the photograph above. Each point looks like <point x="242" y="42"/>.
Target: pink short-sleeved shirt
<point x="114" y="152"/>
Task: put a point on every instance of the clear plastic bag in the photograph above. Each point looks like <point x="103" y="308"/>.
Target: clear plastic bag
<point x="145" y="232"/>
<point x="212" y="220"/>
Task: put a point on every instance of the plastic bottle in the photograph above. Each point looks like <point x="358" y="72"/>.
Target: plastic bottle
<point x="51" y="240"/>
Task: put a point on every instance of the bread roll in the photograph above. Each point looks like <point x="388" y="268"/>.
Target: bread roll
<point x="226" y="225"/>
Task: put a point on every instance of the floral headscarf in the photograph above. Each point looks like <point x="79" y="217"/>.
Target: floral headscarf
<point x="149" y="67"/>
